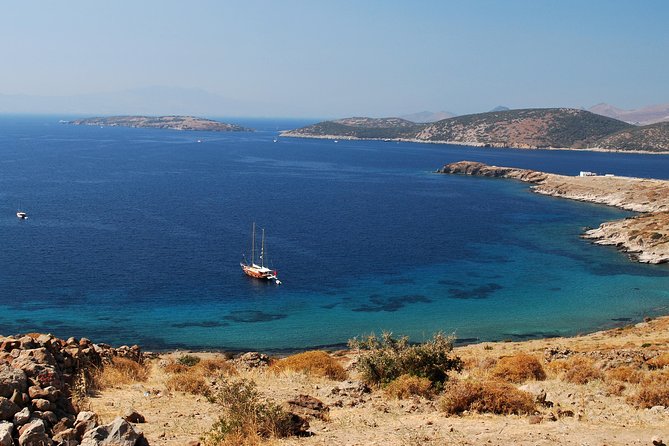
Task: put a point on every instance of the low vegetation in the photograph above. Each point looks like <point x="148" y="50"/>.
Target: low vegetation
<point x="576" y="370"/>
<point x="488" y="396"/>
<point x="382" y="360"/>
<point x="519" y="368"/>
<point x="653" y="390"/>
<point x="246" y="418"/>
<point x="407" y="386"/>
<point x="191" y="374"/>
<point x="121" y="371"/>
<point x="315" y="363"/>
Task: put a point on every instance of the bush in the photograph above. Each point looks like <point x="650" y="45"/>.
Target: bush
<point x="383" y="360"/>
<point x="653" y="390"/>
<point x="407" y="385"/>
<point x="519" y="368"/>
<point x="576" y="369"/>
<point x="246" y="418"/>
<point x="216" y="366"/>
<point x="317" y="362"/>
<point x="188" y="360"/>
<point x="497" y="397"/>
<point x="121" y="371"/>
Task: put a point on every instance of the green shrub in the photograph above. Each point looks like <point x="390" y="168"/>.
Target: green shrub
<point x="246" y="416"/>
<point x="188" y="360"/>
<point x="382" y="360"/>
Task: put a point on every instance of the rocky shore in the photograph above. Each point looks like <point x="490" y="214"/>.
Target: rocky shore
<point x="645" y="237"/>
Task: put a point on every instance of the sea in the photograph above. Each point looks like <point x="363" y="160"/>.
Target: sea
<point x="135" y="236"/>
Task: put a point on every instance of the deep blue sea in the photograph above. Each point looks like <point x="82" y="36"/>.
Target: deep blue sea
<point x="135" y="236"/>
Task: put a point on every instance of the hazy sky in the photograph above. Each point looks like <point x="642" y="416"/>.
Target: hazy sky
<point x="343" y="58"/>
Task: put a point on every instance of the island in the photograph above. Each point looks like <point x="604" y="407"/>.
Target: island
<point x="162" y="122"/>
<point x="544" y="128"/>
<point x="645" y="237"/>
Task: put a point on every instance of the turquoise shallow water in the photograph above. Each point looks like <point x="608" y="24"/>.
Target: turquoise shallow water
<point x="135" y="236"/>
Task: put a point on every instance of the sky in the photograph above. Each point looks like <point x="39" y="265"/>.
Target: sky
<point x="313" y="58"/>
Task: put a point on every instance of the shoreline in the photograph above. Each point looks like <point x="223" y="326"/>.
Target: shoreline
<point x="644" y="237"/>
<point x="288" y="134"/>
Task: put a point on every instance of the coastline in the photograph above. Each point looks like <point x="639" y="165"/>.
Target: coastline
<point x="288" y="134"/>
<point x="645" y="237"/>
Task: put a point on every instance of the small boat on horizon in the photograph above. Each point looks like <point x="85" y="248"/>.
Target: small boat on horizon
<point x="254" y="270"/>
<point x="21" y="215"/>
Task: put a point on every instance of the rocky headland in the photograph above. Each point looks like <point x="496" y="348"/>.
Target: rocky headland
<point x="162" y="122"/>
<point x="644" y="237"/>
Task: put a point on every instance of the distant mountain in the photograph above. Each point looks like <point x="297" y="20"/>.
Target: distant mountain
<point x="162" y="122"/>
<point x="641" y="116"/>
<point x="138" y="101"/>
<point x="428" y="116"/>
<point x="528" y="128"/>
<point x="500" y="108"/>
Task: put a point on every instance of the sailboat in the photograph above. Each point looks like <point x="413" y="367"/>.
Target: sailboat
<point x="258" y="271"/>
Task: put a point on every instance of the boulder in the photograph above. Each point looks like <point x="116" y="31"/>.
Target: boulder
<point x="307" y="406"/>
<point x="66" y="437"/>
<point x="252" y="360"/>
<point x="41" y="405"/>
<point x="7" y="409"/>
<point x="117" y="433"/>
<point x="48" y="393"/>
<point x="6" y="429"/>
<point x="132" y="416"/>
<point x="85" y="422"/>
<point x="22" y="416"/>
<point x="34" y="434"/>
<point x="11" y="380"/>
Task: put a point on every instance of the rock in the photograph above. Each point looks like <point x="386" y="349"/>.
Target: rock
<point x="12" y="380"/>
<point x="7" y="409"/>
<point x="48" y="393"/>
<point x="307" y="406"/>
<point x="66" y="437"/>
<point x="117" y="433"/>
<point x="297" y="426"/>
<point x="61" y="425"/>
<point x="34" y="434"/>
<point x="6" y="429"/>
<point x="657" y="441"/>
<point x="252" y="360"/>
<point x="565" y="413"/>
<point x="22" y="416"/>
<point x="41" y="405"/>
<point x="132" y="416"/>
<point x="49" y="417"/>
<point x="535" y="419"/>
<point x="85" y="422"/>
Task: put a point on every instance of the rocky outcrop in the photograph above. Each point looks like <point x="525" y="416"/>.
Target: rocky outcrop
<point x="644" y="237"/>
<point x="39" y="374"/>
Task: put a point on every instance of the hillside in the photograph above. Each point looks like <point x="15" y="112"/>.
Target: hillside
<point x="428" y="116"/>
<point x="359" y="128"/>
<point x="652" y="138"/>
<point x="526" y="128"/>
<point x="162" y="122"/>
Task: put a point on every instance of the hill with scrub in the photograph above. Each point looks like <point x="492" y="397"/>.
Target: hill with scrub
<point x="564" y="128"/>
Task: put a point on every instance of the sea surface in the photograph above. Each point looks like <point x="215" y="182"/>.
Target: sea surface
<point x="135" y="236"/>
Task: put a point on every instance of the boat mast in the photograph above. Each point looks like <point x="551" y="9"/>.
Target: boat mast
<point x="262" y="249"/>
<point x="253" y="244"/>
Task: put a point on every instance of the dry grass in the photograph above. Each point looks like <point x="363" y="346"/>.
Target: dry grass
<point x="659" y="362"/>
<point x="216" y="367"/>
<point x="653" y="390"/>
<point x="497" y="397"/>
<point x="315" y="363"/>
<point x="120" y="372"/>
<point x="624" y="373"/>
<point x="576" y="370"/>
<point x="519" y="368"/>
<point x="407" y="386"/>
<point x="190" y="382"/>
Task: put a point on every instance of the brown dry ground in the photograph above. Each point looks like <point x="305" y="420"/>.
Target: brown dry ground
<point x="600" y="418"/>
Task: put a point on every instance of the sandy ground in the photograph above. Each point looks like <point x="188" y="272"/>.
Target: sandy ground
<point x="600" y="418"/>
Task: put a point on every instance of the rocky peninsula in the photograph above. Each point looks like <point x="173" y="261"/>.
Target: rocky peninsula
<point x="645" y="237"/>
<point x="162" y="122"/>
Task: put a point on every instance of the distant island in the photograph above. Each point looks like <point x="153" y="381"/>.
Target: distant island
<point x="561" y="128"/>
<point x="162" y="122"/>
